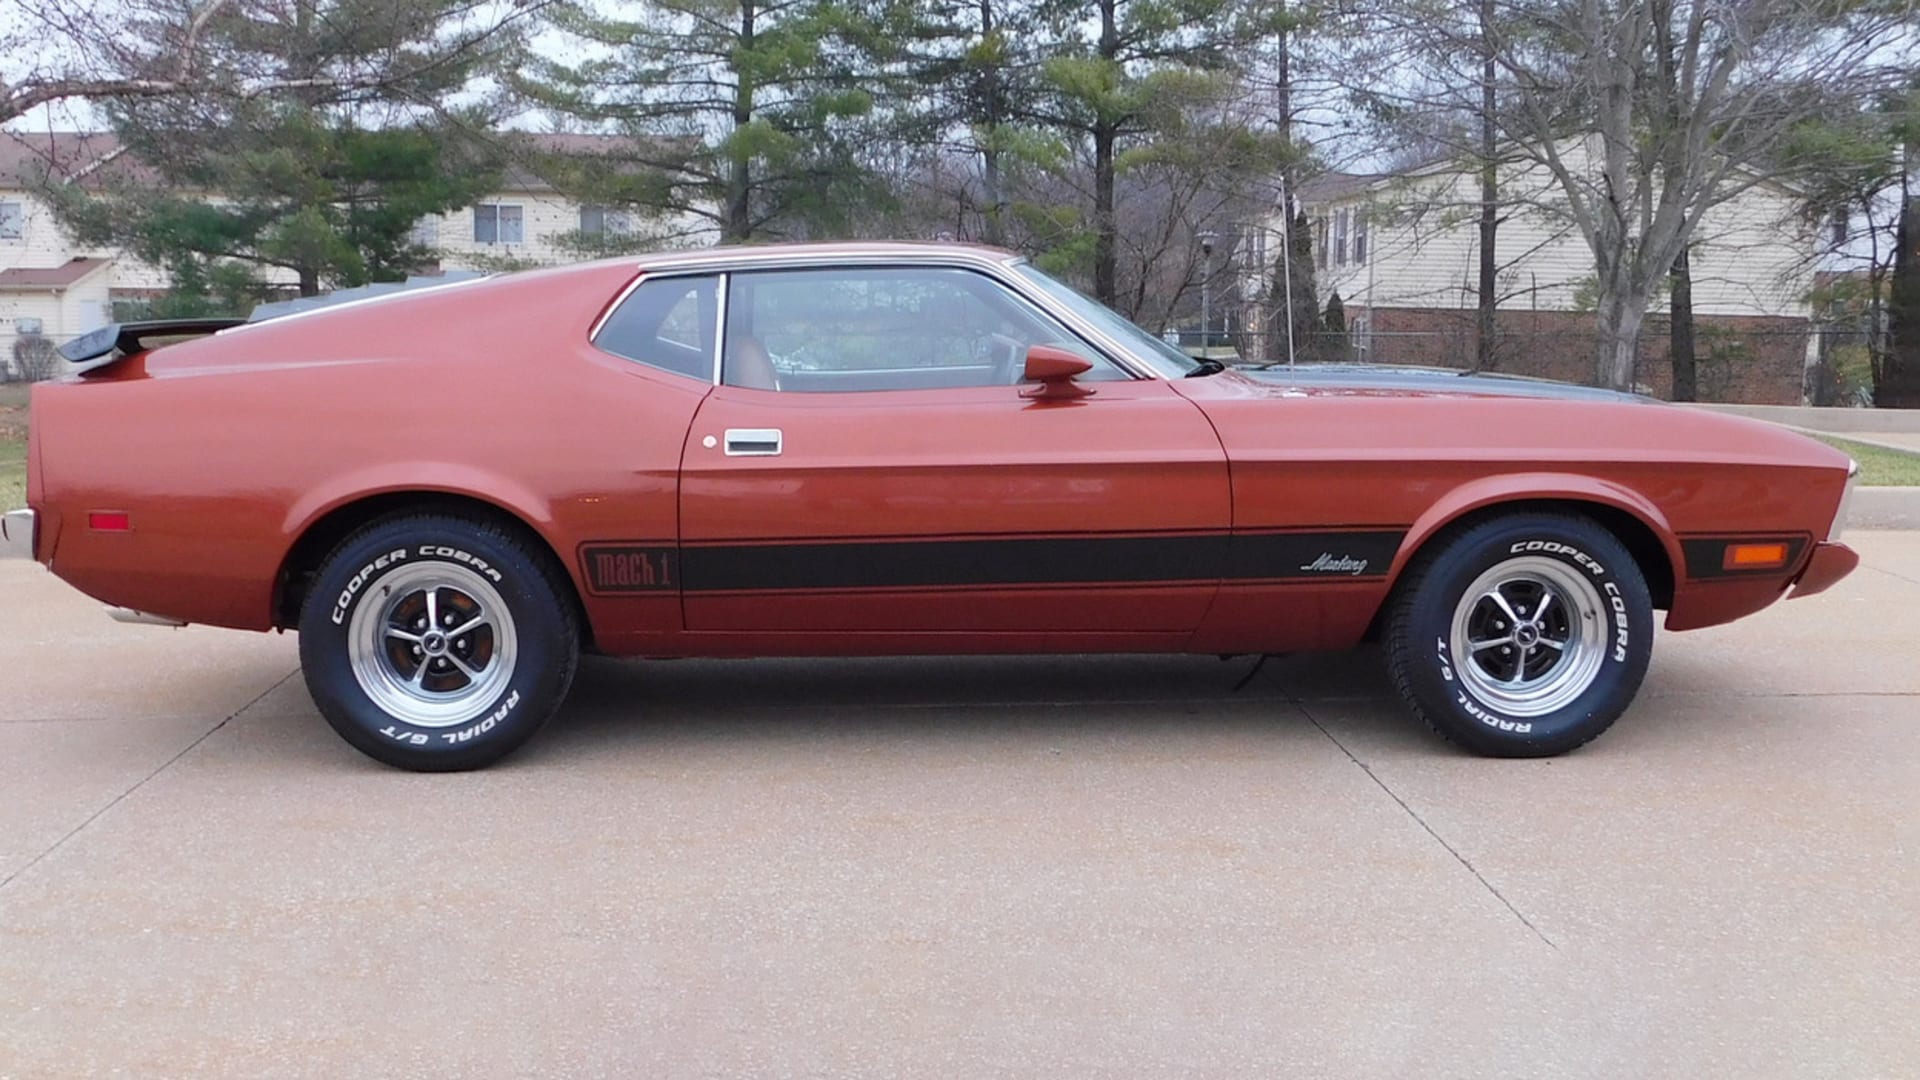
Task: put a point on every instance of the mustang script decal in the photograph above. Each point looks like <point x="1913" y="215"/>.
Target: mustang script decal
<point x="1328" y="563"/>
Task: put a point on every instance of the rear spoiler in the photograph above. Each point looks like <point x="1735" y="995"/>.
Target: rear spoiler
<point x="102" y="347"/>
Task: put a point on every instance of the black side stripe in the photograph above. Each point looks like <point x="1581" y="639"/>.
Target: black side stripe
<point x="1036" y="561"/>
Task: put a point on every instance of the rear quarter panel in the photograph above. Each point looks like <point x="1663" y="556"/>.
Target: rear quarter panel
<point x="224" y="450"/>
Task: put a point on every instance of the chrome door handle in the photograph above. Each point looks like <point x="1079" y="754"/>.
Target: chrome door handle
<point x="753" y="442"/>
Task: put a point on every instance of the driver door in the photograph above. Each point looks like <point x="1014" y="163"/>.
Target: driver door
<point x="870" y="465"/>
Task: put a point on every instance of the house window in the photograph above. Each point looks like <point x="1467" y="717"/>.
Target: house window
<point x="1838" y="224"/>
<point x="13" y="220"/>
<point x="603" y="221"/>
<point x="1320" y="242"/>
<point x="498" y="223"/>
<point x="1340" y="220"/>
<point x="426" y="232"/>
<point x="1359" y="238"/>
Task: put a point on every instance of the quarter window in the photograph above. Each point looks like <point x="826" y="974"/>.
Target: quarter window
<point x="666" y="323"/>
<point x="498" y="223"/>
<point x="862" y="329"/>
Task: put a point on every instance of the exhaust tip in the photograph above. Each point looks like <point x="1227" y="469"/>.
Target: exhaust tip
<point x="128" y="615"/>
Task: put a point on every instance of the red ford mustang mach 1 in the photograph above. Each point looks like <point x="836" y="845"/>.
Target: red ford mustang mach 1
<point x="883" y="449"/>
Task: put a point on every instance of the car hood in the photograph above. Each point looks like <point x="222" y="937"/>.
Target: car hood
<point x="1407" y="381"/>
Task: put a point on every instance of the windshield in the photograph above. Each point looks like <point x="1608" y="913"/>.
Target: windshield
<point x="1166" y="361"/>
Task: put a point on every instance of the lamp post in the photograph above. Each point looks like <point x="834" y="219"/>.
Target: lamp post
<point x="1206" y="237"/>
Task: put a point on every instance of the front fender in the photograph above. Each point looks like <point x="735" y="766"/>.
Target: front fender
<point x="1533" y="487"/>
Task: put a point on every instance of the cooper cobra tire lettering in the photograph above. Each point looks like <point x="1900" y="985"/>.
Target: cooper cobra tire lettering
<point x="1621" y="635"/>
<point x="1549" y="547"/>
<point x="440" y="551"/>
<point x="359" y="581"/>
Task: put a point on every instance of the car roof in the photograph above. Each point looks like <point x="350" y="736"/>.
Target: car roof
<point x="814" y="254"/>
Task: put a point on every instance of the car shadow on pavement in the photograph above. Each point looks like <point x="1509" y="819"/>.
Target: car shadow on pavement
<point x="625" y="701"/>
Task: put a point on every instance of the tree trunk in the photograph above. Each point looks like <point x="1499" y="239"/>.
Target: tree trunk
<point x="1484" y="357"/>
<point x="738" y="227"/>
<point x="995" y="227"/>
<point x="309" y="281"/>
<point x="1680" y="335"/>
<point x="1897" y="384"/>
<point x="1285" y="327"/>
<point x="1620" y="314"/>
<point x="1106" y="286"/>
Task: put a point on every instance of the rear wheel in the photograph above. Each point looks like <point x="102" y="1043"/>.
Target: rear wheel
<point x="1524" y="636"/>
<point x="435" y="643"/>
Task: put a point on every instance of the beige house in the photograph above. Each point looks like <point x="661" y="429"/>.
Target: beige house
<point x="53" y="287"/>
<point x="1402" y="252"/>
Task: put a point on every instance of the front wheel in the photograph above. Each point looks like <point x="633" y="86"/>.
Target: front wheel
<point x="437" y="644"/>
<point x="1523" y="636"/>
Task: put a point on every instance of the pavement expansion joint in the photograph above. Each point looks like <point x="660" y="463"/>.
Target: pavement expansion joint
<point x="1890" y="573"/>
<point x="142" y="782"/>
<point x="1422" y="822"/>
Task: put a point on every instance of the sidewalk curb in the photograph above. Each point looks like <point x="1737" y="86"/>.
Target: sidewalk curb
<point x="1884" y="508"/>
<point x="1832" y="421"/>
<point x="1848" y="436"/>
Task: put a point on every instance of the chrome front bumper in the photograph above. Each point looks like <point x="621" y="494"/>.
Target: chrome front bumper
<point x="16" y="534"/>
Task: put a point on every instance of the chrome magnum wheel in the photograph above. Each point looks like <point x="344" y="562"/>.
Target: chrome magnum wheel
<point x="436" y="643"/>
<point x="439" y="644"/>
<point x="1522" y="636"/>
<point x="1528" y="636"/>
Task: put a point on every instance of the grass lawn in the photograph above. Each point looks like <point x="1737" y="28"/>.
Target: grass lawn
<point x="13" y="447"/>
<point x="1879" y="467"/>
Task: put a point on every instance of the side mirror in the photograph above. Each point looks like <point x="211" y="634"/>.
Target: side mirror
<point x="1054" y="369"/>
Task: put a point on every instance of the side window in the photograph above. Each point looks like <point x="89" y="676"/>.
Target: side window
<point x="665" y="323"/>
<point x="861" y="329"/>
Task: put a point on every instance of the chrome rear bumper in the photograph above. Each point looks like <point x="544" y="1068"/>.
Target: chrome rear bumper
<point x="16" y="534"/>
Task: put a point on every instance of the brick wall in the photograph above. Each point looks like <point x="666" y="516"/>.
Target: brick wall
<point x="1745" y="359"/>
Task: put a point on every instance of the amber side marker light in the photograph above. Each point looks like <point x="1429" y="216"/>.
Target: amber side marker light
<point x="109" y="521"/>
<point x="1754" y="557"/>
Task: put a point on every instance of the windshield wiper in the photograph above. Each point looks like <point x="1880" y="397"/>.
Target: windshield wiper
<point x="1207" y="366"/>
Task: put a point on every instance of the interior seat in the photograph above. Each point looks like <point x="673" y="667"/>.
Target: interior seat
<point x="749" y="365"/>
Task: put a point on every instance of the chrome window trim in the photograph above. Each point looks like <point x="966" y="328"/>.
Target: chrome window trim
<point x="720" y="305"/>
<point x="996" y="271"/>
<point x="723" y="284"/>
<point x="996" y="265"/>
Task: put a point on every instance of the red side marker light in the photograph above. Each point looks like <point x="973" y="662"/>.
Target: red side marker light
<point x="1754" y="557"/>
<point x="109" y="521"/>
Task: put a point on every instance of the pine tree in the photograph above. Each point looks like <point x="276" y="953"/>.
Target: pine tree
<point x="321" y="180"/>
<point x="745" y="113"/>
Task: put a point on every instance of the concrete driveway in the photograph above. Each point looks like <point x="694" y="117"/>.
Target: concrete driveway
<point x="951" y="868"/>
